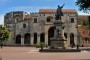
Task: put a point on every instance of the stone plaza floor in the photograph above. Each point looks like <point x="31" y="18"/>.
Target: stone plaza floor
<point x="31" y="53"/>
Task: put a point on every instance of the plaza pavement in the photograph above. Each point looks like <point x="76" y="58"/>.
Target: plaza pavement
<point x="31" y="53"/>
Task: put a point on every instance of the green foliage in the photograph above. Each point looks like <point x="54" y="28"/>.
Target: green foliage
<point x="89" y="24"/>
<point x="85" y="23"/>
<point x="4" y="33"/>
<point x="38" y="44"/>
<point x="83" y="5"/>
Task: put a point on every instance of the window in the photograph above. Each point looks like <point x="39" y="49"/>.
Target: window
<point x="44" y="14"/>
<point x="17" y="19"/>
<point x="48" y="19"/>
<point x="35" y="20"/>
<point x="72" y="20"/>
<point x="24" y="25"/>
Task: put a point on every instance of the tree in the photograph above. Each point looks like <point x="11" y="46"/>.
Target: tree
<point x="4" y="34"/>
<point x="89" y="25"/>
<point x="85" y="23"/>
<point x="83" y="5"/>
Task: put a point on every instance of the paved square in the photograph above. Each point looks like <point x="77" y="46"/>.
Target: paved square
<point x="31" y="53"/>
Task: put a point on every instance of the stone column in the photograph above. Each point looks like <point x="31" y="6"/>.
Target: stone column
<point x="68" y="39"/>
<point x="22" y="39"/>
<point x="68" y="29"/>
<point x="65" y="42"/>
<point x="38" y="37"/>
<point x="46" y="38"/>
<point x="55" y="33"/>
<point x="31" y="40"/>
<point x="13" y="40"/>
<point x="75" y="39"/>
<point x="63" y="33"/>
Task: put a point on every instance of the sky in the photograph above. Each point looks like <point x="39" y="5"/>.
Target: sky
<point x="34" y="6"/>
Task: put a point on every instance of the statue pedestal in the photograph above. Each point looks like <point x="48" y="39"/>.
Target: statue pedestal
<point x="58" y="40"/>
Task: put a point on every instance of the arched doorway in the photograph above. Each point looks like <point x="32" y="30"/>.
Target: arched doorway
<point x="35" y="38"/>
<point x="27" y="38"/>
<point x="72" y="40"/>
<point x="18" y="39"/>
<point x="42" y="37"/>
<point x="50" y="34"/>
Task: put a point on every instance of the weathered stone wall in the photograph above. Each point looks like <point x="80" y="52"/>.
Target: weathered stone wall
<point x="42" y="25"/>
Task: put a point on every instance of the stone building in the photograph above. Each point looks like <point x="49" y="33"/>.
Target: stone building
<point x="28" y="29"/>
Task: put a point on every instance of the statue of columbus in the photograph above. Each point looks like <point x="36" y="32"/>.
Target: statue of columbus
<point x="59" y="12"/>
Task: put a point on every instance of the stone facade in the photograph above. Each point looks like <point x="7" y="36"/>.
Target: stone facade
<point x="28" y="29"/>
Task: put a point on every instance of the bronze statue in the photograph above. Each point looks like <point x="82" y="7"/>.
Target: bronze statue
<point x="59" y="12"/>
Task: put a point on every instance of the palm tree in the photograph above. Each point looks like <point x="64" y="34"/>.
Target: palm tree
<point x="4" y="34"/>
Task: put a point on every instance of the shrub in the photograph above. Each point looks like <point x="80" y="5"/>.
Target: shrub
<point x="39" y="44"/>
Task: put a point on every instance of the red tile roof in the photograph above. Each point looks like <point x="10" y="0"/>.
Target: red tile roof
<point x="54" y="10"/>
<point x="82" y="18"/>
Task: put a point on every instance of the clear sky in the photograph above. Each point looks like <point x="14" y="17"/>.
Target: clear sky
<point x="34" y="6"/>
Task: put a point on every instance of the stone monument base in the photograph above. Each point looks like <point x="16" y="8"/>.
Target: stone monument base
<point x="57" y="43"/>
